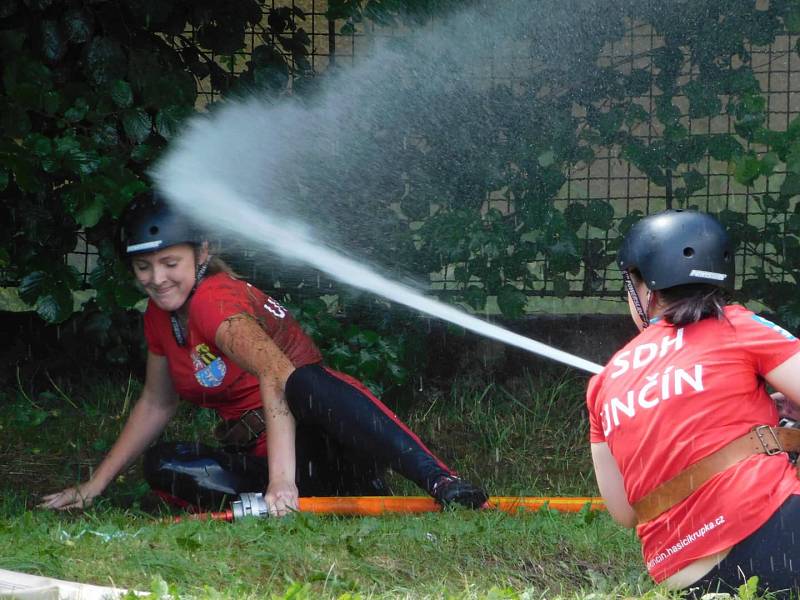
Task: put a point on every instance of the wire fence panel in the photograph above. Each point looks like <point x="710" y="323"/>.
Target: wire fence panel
<point x="607" y="178"/>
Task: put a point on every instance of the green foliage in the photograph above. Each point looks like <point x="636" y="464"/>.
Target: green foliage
<point x="513" y="440"/>
<point x="377" y="358"/>
<point x="90" y="93"/>
<point x="530" y="135"/>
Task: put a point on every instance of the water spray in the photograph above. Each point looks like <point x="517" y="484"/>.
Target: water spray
<point x="300" y="177"/>
<point x="229" y="211"/>
<point x="253" y="504"/>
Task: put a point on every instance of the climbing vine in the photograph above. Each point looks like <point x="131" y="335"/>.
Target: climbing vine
<point x="92" y="91"/>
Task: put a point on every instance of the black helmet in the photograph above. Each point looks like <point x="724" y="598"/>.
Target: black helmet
<point x="678" y="247"/>
<point x="149" y="224"/>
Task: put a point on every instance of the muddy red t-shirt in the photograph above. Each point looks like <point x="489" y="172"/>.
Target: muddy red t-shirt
<point x="675" y="395"/>
<point x="200" y="372"/>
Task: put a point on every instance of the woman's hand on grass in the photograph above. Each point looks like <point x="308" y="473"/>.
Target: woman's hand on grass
<point x="79" y="496"/>
<point x="281" y="497"/>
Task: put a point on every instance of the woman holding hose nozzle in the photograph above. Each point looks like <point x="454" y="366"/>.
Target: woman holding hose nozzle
<point x="684" y="435"/>
<point x="290" y="426"/>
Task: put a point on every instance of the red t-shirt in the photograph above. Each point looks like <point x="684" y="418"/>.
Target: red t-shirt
<point x="200" y="372"/>
<point x="672" y="396"/>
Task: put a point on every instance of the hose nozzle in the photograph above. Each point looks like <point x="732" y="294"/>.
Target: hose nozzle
<point x="249" y="504"/>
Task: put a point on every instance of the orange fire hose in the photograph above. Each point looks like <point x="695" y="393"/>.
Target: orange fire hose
<point x="380" y="505"/>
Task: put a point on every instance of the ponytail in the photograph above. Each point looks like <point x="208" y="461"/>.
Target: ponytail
<point x="687" y="304"/>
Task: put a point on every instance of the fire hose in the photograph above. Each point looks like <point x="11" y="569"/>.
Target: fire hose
<point x="254" y="505"/>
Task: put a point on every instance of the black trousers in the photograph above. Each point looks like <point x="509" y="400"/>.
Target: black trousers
<point x="772" y="553"/>
<point x="345" y="440"/>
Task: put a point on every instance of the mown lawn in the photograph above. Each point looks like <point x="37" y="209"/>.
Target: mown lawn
<point x="526" y="439"/>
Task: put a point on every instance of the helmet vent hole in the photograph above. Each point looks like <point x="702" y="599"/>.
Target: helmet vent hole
<point x="688" y="252"/>
<point x="153" y="230"/>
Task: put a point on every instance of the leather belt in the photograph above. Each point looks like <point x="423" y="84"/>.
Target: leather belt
<point x="241" y="434"/>
<point x="762" y="439"/>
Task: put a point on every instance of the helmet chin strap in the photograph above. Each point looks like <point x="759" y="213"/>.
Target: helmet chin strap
<point x="177" y="328"/>
<point x="637" y="303"/>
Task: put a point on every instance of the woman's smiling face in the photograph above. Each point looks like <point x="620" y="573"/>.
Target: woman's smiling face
<point x="168" y="275"/>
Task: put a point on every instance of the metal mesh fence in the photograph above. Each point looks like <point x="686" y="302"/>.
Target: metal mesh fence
<point x="608" y="177"/>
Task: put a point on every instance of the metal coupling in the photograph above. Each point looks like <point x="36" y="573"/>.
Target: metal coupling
<point x="250" y="504"/>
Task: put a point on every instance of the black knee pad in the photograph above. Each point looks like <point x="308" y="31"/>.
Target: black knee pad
<point x="201" y="475"/>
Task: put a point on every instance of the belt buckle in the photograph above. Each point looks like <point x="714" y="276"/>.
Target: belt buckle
<point x="763" y="439"/>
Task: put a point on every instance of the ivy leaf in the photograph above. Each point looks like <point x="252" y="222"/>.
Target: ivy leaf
<point x="476" y="297"/>
<point x="221" y="38"/>
<point x="561" y="287"/>
<point x="114" y="285"/>
<point x="104" y="61"/>
<point x="629" y="221"/>
<point x="90" y="212"/>
<point x="78" y="25"/>
<point x="563" y="257"/>
<point x="122" y="94"/>
<point x="790" y="186"/>
<point x="792" y="20"/>
<point x="511" y="301"/>
<point x="635" y="114"/>
<point x="638" y="83"/>
<point x="56" y="306"/>
<point x="169" y="120"/>
<point x="746" y="169"/>
<point x="779" y="204"/>
<point x="694" y="181"/>
<point x="703" y="99"/>
<point x="768" y="163"/>
<point x="32" y="285"/>
<point x="575" y="214"/>
<point x="77" y="111"/>
<point x="53" y="44"/>
<point x="740" y="81"/>
<point x="546" y="158"/>
<point x="647" y="158"/>
<point x="600" y="214"/>
<point x="50" y="292"/>
<point x="723" y="147"/>
<point x="38" y="144"/>
<point x="144" y="153"/>
<point x="793" y="158"/>
<point x="137" y="125"/>
<point x="606" y="123"/>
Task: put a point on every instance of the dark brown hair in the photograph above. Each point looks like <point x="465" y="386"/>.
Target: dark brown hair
<point x="217" y="265"/>
<point x="687" y="304"/>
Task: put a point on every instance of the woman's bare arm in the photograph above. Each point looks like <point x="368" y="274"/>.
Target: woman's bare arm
<point x="151" y="413"/>
<point x="243" y="340"/>
<point x="785" y="378"/>
<point x="609" y="480"/>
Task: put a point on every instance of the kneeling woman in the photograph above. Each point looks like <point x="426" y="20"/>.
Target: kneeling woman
<point x="684" y="434"/>
<point x="291" y="426"/>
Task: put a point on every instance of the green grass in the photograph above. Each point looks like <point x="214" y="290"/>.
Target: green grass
<point x="528" y="438"/>
<point x="455" y="554"/>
